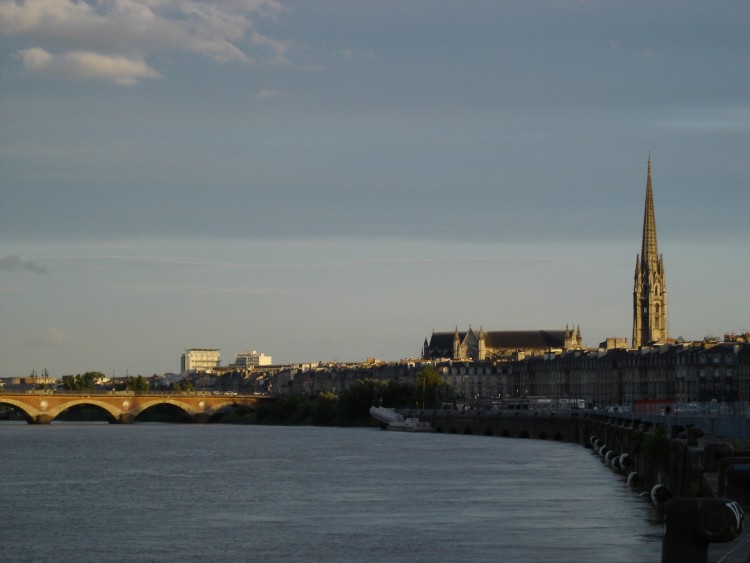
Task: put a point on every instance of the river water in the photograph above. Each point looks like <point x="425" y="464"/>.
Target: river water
<point x="170" y="492"/>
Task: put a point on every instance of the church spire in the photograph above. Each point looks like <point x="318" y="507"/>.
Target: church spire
<point x="649" y="249"/>
<point x="650" y="287"/>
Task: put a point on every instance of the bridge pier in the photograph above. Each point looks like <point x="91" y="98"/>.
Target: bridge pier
<point x="201" y="418"/>
<point x="125" y="418"/>
<point x="41" y="419"/>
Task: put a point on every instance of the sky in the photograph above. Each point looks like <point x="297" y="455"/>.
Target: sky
<point x="333" y="180"/>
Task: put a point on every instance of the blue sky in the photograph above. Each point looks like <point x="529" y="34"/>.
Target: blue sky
<point x="334" y="180"/>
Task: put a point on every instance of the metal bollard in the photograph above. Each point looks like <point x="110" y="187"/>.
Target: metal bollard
<point x="692" y="523"/>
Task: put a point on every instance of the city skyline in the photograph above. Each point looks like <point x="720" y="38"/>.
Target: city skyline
<point x="325" y="181"/>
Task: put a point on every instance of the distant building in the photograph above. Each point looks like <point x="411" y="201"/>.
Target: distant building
<point x="650" y="287"/>
<point x="252" y="359"/>
<point x="700" y="372"/>
<point x="613" y="343"/>
<point x="204" y="360"/>
<point x="488" y="345"/>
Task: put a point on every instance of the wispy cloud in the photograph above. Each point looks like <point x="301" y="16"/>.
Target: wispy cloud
<point x="120" y="70"/>
<point x="200" y="289"/>
<point x="170" y="261"/>
<point x="16" y="264"/>
<point x="112" y="39"/>
<point x="349" y="55"/>
<point x="223" y="265"/>
<point x="268" y="94"/>
<point x="711" y="121"/>
<point x="277" y="49"/>
<point x="53" y="336"/>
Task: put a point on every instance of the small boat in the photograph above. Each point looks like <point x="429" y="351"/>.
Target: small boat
<point x="411" y="425"/>
<point x="385" y="416"/>
<point x="391" y="420"/>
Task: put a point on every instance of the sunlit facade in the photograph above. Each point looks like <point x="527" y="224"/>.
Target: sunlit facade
<point x="204" y="360"/>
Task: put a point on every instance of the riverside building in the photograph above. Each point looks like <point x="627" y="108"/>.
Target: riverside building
<point x="204" y="360"/>
<point x="711" y="374"/>
<point x="251" y="359"/>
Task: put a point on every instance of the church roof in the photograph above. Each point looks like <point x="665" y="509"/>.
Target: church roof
<point x="444" y="340"/>
<point x="511" y="339"/>
<point x="525" y="339"/>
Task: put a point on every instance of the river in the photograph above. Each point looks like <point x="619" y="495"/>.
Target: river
<point x="171" y="492"/>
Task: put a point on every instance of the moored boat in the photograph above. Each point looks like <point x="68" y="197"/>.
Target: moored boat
<point x="391" y="420"/>
<point x="411" y="425"/>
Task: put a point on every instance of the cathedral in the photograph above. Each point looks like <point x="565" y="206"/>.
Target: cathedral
<point x="492" y="345"/>
<point x="650" y="286"/>
<point x="649" y="314"/>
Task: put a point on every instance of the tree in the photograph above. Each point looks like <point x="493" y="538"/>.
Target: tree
<point x="355" y="401"/>
<point x="139" y="383"/>
<point x="325" y="409"/>
<point x="78" y="382"/>
<point x="185" y="385"/>
<point x="430" y="385"/>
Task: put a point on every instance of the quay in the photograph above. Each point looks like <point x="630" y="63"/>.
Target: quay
<point x="123" y="407"/>
<point x="698" y="480"/>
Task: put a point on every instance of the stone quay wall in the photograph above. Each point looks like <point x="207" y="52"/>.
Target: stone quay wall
<point x="700" y="483"/>
<point x="681" y="458"/>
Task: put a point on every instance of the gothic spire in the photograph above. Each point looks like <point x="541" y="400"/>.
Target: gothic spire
<point x="649" y="250"/>
<point x="650" y="288"/>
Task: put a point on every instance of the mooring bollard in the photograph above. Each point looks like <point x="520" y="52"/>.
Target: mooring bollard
<point x="734" y="479"/>
<point x="692" y="523"/>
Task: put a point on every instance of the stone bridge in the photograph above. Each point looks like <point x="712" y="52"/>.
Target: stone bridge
<point x="42" y="407"/>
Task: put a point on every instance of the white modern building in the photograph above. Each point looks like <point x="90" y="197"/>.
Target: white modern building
<point x="200" y="360"/>
<point x="252" y="359"/>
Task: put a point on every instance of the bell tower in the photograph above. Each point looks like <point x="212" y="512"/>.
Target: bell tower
<point x="650" y="287"/>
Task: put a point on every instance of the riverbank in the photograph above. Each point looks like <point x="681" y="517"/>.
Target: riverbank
<point x="708" y="476"/>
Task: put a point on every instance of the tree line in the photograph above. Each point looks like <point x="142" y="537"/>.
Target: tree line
<point x="351" y="407"/>
<point x="87" y="382"/>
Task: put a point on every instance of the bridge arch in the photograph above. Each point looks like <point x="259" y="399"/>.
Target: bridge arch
<point x="23" y="408"/>
<point x="156" y="401"/>
<point x="162" y="411"/>
<point x="205" y="409"/>
<point x="49" y="410"/>
<point x="112" y="412"/>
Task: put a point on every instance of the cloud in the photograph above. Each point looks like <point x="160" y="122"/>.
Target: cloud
<point x="35" y="58"/>
<point x="276" y="48"/>
<point x="120" y="70"/>
<point x="349" y="55"/>
<point x="15" y="264"/>
<point x="174" y="288"/>
<point x="268" y="94"/>
<point x="724" y="120"/>
<point x="112" y="39"/>
<point x="55" y="335"/>
<point x="52" y="337"/>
